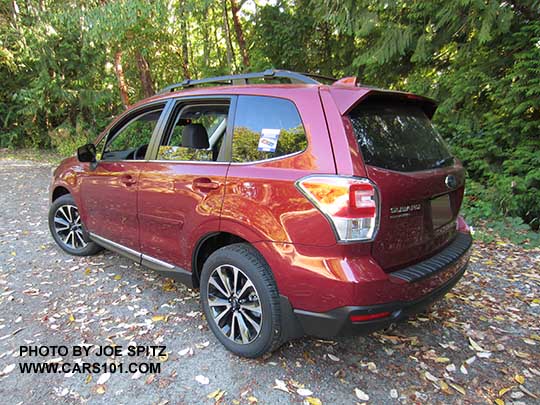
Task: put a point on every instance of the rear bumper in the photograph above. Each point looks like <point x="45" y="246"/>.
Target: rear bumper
<point x="337" y="322"/>
<point x="430" y="280"/>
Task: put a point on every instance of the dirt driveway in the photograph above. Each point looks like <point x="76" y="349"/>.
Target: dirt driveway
<point x="480" y="344"/>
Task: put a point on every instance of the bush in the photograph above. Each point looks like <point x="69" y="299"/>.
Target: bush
<point x="66" y="139"/>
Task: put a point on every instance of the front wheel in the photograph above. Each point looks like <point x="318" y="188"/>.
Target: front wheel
<point x="240" y="300"/>
<point x="67" y="229"/>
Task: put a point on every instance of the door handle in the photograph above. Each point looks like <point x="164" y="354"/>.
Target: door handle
<point x="204" y="183"/>
<point x="128" y="180"/>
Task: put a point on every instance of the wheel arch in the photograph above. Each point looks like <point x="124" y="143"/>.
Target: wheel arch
<point x="207" y="245"/>
<point x="58" y="192"/>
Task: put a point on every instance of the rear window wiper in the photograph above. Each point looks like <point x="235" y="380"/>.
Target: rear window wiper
<point x="442" y="162"/>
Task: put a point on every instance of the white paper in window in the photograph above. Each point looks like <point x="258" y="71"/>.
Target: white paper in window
<point x="269" y="140"/>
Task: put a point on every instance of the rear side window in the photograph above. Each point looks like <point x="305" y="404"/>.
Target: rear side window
<point x="195" y="133"/>
<point x="265" y="128"/>
<point x="398" y="136"/>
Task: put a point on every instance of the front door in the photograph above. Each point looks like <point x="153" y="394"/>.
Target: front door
<point x="109" y="190"/>
<point x="181" y="190"/>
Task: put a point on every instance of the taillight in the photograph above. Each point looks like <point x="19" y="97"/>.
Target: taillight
<point x="349" y="203"/>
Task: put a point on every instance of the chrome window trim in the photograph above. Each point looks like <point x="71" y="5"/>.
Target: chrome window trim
<point x="269" y="159"/>
<point x="197" y="162"/>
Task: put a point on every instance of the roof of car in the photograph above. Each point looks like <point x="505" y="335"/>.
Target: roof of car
<point x="346" y="92"/>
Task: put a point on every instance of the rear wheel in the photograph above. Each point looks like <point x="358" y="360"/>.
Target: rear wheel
<point x="241" y="301"/>
<point x="67" y="229"/>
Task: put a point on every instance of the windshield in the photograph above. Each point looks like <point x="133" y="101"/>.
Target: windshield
<point x="398" y="136"/>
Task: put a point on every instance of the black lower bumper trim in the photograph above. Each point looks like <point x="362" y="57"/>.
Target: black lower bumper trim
<point x="457" y="248"/>
<point x="337" y="322"/>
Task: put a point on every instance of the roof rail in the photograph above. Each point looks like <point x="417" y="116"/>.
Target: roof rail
<point x="244" y="78"/>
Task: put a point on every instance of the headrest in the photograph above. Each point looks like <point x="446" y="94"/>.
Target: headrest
<point x="195" y="136"/>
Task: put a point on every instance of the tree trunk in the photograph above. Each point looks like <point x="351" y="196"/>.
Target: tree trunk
<point x="184" y="29"/>
<point x="144" y="73"/>
<point x="206" y="35"/>
<point x="121" y="79"/>
<point x="239" y="33"/>
<point x="228" y="42"/>
<point x="213" y="28"/>
<point x="185" y="51"/>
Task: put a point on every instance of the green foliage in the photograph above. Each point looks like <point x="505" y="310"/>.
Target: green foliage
<point x="479" y="59"/>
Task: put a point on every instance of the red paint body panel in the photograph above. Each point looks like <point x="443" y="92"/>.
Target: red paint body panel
<point x="320" y="279"/>
<point x="108" y="198"/>
<point x="173" y="209"/>
<point x="164" y="214"/>
<point x="417" y="238"/>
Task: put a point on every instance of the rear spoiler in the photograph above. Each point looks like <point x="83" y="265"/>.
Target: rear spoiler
<point x="347" y="97"/>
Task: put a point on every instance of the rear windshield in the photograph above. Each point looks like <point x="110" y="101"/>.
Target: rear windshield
<point x="398" y="136"/>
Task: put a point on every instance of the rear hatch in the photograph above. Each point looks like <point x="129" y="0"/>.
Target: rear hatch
<point x="420" y="183"/>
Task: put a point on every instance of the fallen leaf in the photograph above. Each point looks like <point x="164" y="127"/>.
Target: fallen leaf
<point x="361" y="395"/>
<point x="504" y="391"/>
<point x="519" y="378"/>
<point x="280" y="385"/>
<point x="332" y="357"/>
<point x="202" y="345"/>
<point x="8" y="369"/>
<point x="186" y="351"/>
<point x="444" y="386"/>
<point x="430" y="377"/>
<point x="216" y="395"/>
<point x="158" y="318"/>
<point x="304" y="392"/>
<point x="164" y="357"/>
<point x="476" y="347"/>
<point x="499" y="401"/>
<point x="312" y="401"/>
<point x="100" y="389"/>
<point x="201" y="379"/>
<point x="457" y="387"/>
<point x="150" y="379"/>
<point x="103" y="378"/>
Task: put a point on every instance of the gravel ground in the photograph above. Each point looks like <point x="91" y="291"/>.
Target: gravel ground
<point x="480" y="344"/>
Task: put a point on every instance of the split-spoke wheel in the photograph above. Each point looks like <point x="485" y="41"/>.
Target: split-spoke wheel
<point x="67" y="228"/>
<point x="240" y="300"/>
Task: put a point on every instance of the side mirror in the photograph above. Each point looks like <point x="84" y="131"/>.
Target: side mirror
<point x="87" y="153"/>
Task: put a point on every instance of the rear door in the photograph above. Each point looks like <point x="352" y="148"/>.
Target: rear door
<point x="420" y="183"/>
<point x="181" y="188"/>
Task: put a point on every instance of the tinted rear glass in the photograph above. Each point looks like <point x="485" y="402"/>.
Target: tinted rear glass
<point x="398" y="136"/>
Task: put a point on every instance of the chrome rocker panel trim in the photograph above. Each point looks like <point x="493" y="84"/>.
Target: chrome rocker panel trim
<point x="161" y="267"/>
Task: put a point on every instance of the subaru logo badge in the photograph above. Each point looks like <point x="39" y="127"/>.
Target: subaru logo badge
<point x="451" y="181"/>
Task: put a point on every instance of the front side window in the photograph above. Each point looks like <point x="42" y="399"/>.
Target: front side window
<point x="196" y="133"/>
<point x="131" y="141"/>
<point x="265" y="128"/>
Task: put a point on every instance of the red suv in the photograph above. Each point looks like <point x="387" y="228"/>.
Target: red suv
<point x="296" y="207"/>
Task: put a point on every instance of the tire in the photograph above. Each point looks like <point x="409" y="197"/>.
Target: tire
<point x="246" y="301"/>
<point x="67" y="230"/>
